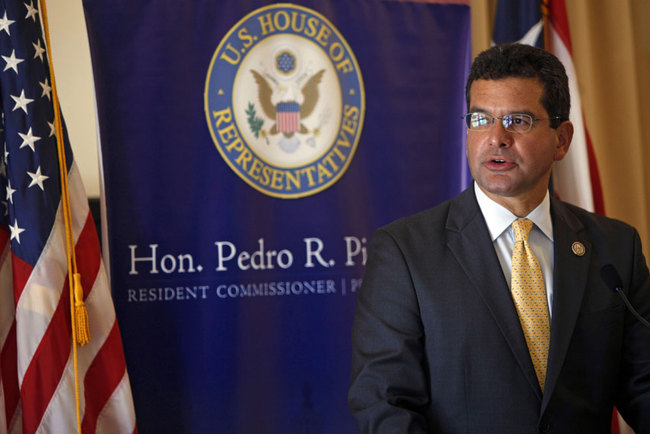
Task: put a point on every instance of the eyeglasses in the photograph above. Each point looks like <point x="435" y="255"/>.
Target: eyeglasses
<point x="515" y="122"/>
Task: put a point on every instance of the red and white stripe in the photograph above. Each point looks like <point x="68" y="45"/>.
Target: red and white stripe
<point x="36" y="365"/>
<point x="575" y="178"/>
<point x="288" y="122"/>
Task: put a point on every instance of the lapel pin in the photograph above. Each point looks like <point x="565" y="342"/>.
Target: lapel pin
<point x="578" y="248"/>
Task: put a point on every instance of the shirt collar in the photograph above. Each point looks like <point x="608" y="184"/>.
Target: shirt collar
<point x="499" y="218"/>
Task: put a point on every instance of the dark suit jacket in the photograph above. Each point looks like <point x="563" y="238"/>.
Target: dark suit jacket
<point x="438" y="347"/>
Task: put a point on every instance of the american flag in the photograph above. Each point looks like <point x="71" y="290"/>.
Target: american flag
<point x="288" y="117"/>
<point x="575" y="178"/>
<point x="37" y="386"/>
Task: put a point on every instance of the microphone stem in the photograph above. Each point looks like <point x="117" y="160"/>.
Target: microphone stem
<point x="631" y="309"/>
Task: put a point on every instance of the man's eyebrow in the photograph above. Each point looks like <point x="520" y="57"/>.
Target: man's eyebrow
<point x="513" y="112"/>
<point x="524" y="112"/>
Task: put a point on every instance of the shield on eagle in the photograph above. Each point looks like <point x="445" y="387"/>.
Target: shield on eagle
<point x="288" y="117"/>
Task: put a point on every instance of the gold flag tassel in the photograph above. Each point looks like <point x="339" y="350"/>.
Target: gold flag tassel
<point x="78" y="312"/>
<point x="79" y="315"/>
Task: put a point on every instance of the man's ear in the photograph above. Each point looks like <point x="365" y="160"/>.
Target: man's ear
<point x="564" y="133"/>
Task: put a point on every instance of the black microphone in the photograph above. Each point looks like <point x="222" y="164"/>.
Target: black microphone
<point x="613" y="281"/>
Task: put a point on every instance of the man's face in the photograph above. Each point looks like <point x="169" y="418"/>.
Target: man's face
<point x="510" y="166"/>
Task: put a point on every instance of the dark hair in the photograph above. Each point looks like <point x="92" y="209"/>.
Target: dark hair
<point x="525" y="61"/>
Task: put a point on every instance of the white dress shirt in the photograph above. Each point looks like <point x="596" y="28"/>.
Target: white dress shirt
<point x="499" y="222"/>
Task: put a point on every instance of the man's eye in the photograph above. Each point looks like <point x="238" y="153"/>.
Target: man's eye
<point x="521" y="120"/>
<point x="480" y="119"/>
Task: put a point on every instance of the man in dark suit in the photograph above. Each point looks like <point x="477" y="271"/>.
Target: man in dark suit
<point x="450" y="335"/>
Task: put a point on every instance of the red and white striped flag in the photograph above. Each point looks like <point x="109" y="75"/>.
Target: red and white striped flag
<point x="575" y="178"/>
<point x="37" y="380"/>
<point x="288" y="117"/>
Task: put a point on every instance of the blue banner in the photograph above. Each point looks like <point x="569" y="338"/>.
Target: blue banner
<point x="519" y="21"/>
<point x="249" y="151"/>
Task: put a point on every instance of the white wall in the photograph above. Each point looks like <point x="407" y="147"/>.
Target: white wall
<point x="73" y="73"/>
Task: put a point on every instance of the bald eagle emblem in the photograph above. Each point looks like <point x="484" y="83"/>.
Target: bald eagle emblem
<point x="289" y="112"/>
<point x="283" y="103"/>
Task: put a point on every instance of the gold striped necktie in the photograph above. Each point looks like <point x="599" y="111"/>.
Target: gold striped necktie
<point x="529" y="295"/>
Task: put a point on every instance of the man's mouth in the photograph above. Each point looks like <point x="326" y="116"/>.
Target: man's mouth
<point x="499" y="164"/>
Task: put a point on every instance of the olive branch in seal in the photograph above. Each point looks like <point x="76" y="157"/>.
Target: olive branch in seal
<point x="254" y="122"/>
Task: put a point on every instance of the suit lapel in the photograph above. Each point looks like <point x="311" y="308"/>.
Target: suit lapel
<point x="469" y="241"/>
<point x="569" y="282"/>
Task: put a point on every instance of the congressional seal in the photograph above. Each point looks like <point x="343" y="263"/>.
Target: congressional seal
<point x="284" y="101"/>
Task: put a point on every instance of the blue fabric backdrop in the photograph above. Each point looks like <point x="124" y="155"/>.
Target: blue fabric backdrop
<point x="235" y="301"/>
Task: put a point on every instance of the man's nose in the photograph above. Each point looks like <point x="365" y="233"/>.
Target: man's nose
<point x="498" y="135"/>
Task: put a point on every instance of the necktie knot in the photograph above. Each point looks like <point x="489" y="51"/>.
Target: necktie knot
<point x="521" y="228"/>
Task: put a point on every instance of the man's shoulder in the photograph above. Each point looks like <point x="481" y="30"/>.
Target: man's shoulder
<point x="434" y="219"/>
<point x="589" y="221"/>
<point x="599" y="229"/>
<point x="434" y="213"/>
